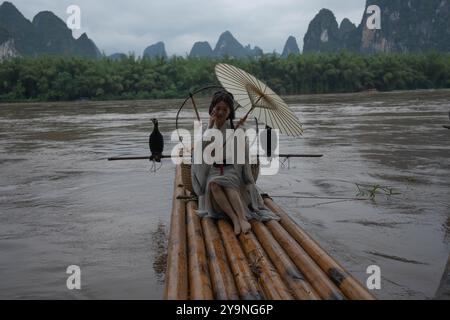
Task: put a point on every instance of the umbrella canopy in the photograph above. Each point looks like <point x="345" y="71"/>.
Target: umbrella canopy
<point x="256" y="98"/>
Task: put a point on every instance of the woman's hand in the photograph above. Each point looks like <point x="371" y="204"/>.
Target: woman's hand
<point x="212" y="119"/>
<point x="241" y="122"/>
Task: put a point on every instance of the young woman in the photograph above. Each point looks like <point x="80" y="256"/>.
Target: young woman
<point x="228" y="190"/>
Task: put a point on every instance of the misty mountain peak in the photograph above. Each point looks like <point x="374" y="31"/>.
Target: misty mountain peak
<point x="291" y="47"/>
<point x="156" y="50"/>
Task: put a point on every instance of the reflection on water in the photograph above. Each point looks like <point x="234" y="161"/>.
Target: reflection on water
<point x="446" y="226"/>
<point x="395" y="258"/>
<point x="62" y="203"/>
<point x="159" y="247"/>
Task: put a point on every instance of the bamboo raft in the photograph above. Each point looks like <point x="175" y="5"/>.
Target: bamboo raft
<point x="277" y="260"/>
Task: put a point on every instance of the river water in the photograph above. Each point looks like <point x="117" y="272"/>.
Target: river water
<point x="62" y="203"/>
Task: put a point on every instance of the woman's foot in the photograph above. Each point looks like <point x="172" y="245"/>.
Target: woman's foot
<point x="245" y="226"/>
<point x="237" y="228"/>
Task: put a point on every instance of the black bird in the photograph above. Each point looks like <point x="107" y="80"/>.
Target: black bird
<point x="156" y="143"/>
<point x="269" y="141"/>
<point x="447" y="127"/>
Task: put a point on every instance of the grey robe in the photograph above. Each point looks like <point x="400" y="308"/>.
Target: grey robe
<point x="237" y="176"/>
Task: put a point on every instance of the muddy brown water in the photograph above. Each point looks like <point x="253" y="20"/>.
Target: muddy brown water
<point x="62" y="203"/>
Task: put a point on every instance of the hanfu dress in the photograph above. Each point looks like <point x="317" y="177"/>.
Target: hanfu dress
<point x="229" y="174"/>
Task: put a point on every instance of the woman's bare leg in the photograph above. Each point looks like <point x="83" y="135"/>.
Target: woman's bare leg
<point x="222" y="201"/>
<point x="235" y="200"/>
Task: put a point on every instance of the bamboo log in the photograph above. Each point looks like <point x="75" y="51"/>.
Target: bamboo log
<point x="199" y="281"/>
<point x="443" y="292"/>
<point x="243" y="276"/>
<point x="221" y="277"/>
<point x="266" y="274"/>
<point x="176" y="283"/>
<point x="312" y="272"/>
<point x="301" y="289"/>
<point x="343" y="280"/>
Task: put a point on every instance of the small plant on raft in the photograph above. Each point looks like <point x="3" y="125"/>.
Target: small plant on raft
<point x="371" y="191"/>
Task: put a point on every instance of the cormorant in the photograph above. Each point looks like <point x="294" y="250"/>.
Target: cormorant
<point x="447" y="127"/>
<point x="267" y="142"/>
<point x="156" y="143"/>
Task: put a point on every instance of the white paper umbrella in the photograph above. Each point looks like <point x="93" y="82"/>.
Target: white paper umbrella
<point x="257" y="99"/>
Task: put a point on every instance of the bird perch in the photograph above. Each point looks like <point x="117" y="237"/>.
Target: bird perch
<point x="166" y="157"/>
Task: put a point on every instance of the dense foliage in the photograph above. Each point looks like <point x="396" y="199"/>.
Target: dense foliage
<point x="63" y="78"/>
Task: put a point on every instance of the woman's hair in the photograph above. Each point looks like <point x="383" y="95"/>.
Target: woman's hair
<point x="227" y="97"/>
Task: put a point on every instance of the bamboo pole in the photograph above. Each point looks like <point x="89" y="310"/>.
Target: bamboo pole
<point x="180" y="156"/>
<point x="199" y="281"/>
<point x="343" y="280"/>
<point x="221" y="277"/>
<point x="136" y="158"/>
<point x="243" y="276"/>
<point x="266" y="274"/>
<point x="301" y="289"/>
<point x="312" y="272"/>
<point x="176" y="283"/>
<point x="443" y="291"/>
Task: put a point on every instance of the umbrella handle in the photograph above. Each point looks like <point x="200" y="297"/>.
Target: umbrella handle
<point x="242" y="121"/>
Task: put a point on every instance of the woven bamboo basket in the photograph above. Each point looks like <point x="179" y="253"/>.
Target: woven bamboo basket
<point x="186" y="176"/>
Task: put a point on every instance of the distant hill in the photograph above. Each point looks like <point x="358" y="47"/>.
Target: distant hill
<point x="117" y="56"/>
<point x="227" y="45"/>
<point x="156" y="50"/>
<point x="46" y="34"/>
<point x="291" y="47"/>
<point x="406" y="26"/>
<point x="323" y="33"/>
<point x="201" y="50"/>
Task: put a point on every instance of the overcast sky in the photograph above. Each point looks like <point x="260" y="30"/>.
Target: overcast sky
<point x="132" y="25"/>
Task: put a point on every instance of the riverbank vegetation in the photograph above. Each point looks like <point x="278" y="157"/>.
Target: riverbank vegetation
<point x="70" y="78"/>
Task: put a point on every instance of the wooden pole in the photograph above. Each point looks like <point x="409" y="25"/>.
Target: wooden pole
<point x="167" y="157"/>
<point x="221" y="277"/>
<point x="176" y="282"/>
<point x="266" y="274"/>
<point x="287" y="155"/>
<point x="341" y="278"/>
<point x="243" y="276"/>
<point x="199" y="281"/>
<point x="301" y="289"/>
<point x="312" y="272"/>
